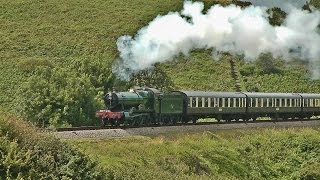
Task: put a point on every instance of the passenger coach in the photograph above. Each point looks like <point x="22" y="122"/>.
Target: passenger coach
<point x="219" y="105"/>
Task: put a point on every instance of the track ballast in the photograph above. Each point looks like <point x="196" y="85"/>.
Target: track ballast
<point x="110" y="131"/>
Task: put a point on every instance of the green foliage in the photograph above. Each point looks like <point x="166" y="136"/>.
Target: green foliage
<point x="315" y="3"/>
<point x="155" y="77"/>
<point x="55" y="97"/>
<point x="56" y="58"/>
<point x="240" y="154"/>
<point x="28" y="154"/>
<point x="276" y="16"/>
<point x="267" y="63"/>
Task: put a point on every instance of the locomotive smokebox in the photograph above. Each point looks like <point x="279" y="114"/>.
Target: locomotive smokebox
<point x="111" y="100"/>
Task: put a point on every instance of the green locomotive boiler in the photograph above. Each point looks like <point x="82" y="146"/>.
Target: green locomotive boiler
<point x="143" y="106"/>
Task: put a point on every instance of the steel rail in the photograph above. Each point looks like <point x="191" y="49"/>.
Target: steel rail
<point x="81" y="128"/>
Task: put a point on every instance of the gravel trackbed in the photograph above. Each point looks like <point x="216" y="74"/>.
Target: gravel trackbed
<point x="154" y="131"/>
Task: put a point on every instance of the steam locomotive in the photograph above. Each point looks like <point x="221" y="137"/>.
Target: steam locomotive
<point x="147" y="106"/>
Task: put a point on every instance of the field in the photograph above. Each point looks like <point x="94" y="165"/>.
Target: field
<point x="55" y="61"/>
<point x="240" y="154"/>
<point x="56" y="58"/>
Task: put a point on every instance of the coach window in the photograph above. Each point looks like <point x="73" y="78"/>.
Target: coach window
<point x="305" y="102"/>
<point x="217" y="102"/>
<point x="199" y="102"/>
<point x="286" y="102"/>
<point x="205" y="102"/>
<point x="214" y="102"/>
<point x="231" y="102"/>
<point x="190" y="102"/>
<point x="209" y="102"/>
<point x="290" y="102"/>
<point x="227" y="101"/>
<point x="316" y="103"/>
<point x="222" y="102"/>
<point x="311" y="103"/>
<point x="266" y="102"/>
<point x="270" y="102"/>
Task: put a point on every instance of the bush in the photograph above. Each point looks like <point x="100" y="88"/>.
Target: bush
<point x="28" y="154"/>
<point x="56" y="98"/>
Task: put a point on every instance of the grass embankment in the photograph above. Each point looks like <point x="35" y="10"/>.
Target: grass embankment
<point x="56" y="57"/>
<point x="254" y="154"/>
<point x="26" y="154"/>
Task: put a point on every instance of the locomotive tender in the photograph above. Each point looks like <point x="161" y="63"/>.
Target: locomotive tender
<point x="146" y="106"/>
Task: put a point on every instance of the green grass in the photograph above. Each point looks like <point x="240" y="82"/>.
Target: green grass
<point x="231" y="154"/>
<point x="62" y="31"/>
<point x="78" y="38"/>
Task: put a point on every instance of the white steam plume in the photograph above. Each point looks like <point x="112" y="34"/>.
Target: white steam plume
<point x="224" y="29"/>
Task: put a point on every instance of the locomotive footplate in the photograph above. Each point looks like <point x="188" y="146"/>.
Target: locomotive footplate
<point x="107" y="114"/>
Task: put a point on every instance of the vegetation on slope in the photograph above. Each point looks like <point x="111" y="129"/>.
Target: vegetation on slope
<point x="242" y="154"/>
<point x="56" y="58"/>
<point x="27" y="154"/>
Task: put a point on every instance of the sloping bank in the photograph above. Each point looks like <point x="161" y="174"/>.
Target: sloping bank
<point x="229" y="154"/>
<point x="26" y="154"/>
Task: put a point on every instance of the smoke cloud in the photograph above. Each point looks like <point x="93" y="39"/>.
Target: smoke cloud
<point x="222" y="29"/>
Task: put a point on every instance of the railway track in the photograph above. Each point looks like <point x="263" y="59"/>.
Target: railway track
<point x="83" y="128"/>
<point x="112" y="132"/>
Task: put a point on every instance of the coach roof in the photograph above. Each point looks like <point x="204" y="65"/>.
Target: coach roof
<point x="212" y="94"/>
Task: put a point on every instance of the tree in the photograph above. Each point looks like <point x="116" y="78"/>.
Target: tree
<point x="276" y="16"/>
<point x="267" y="63"/>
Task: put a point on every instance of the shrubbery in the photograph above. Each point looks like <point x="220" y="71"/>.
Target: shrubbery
<point x="28" y="154"/>
<point x="54" y="74"/>
<point x="56" y="96"/>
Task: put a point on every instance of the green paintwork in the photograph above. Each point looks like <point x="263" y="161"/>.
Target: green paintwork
<point x="171" y="104"/>
<point x="274" y="110"/>
<point x="215" y="110"/>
